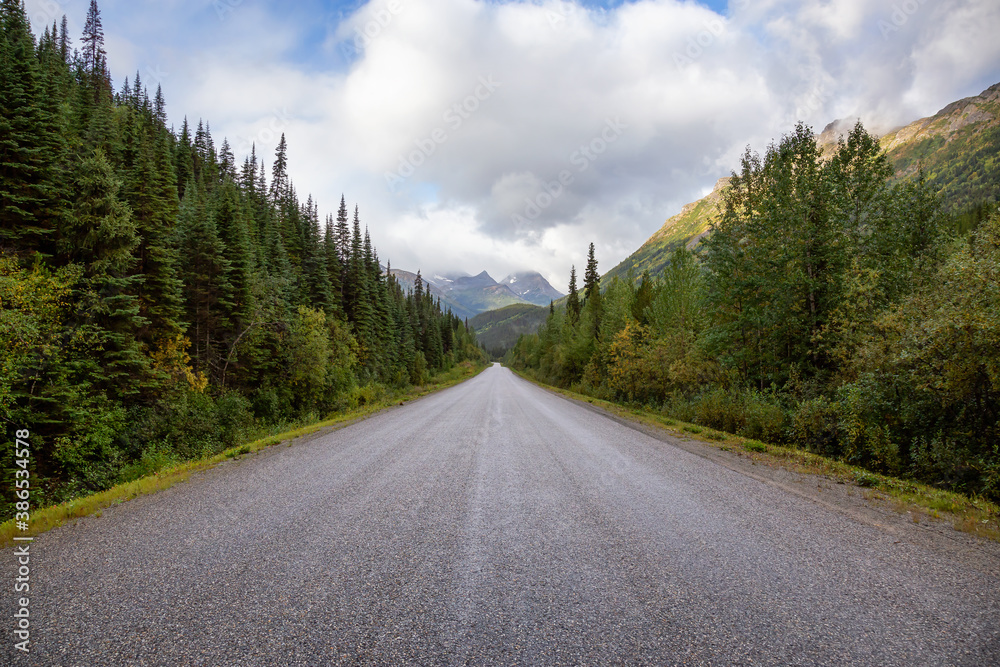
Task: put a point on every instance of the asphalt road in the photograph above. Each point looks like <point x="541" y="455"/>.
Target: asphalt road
<point x="496" y="523"/>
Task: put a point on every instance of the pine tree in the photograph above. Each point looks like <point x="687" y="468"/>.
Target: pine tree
<point x="93" y="40"/>
<point x="28" y="208"/>
<point x="573" y="301"/>
<point x="100" y="235"/>
<point x="183" y="163"/>
<point x="64" y="40"/>
<point x="205" y="272"/>
<point x="591" y="279"/>
<point x="315" y="275"/>
<point x="160" y="107"/>
<point x="333" y="266"/>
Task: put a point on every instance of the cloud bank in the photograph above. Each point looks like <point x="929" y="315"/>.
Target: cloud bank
<point x="507" y="136"/>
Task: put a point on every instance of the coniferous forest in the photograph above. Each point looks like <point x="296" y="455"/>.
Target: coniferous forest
<point x="831" y="309"/>
<point x="161" y="298"/>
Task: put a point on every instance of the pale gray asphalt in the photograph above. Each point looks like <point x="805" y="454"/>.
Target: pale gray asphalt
<point x="495" y="523"/>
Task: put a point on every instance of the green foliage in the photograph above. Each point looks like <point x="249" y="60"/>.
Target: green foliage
<point x="830" y="309"/>
<point x="159" y="303"/>
<point x="498" y="330"/>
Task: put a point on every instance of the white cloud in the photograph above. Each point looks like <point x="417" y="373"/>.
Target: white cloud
<point x="689" y="89"/>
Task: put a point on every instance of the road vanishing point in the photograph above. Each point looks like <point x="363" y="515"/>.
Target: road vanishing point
<point x="497" y="523"/>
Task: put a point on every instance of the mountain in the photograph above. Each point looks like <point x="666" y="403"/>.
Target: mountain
<point x="957" y="148"/>
<point x="688" y="226"/>
<point x="498" y="330"/>
<point x="477" y="293"/>
<point x="467" y="295"/>
<point x="407" y="281"/>
<point x="532" y="287"/>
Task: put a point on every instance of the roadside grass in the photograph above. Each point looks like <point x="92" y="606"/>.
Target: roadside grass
<point x="47" y="518"/>
<point x="974" y="515"/>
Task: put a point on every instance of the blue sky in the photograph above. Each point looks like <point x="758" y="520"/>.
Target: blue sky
<point x="507" y="136"/>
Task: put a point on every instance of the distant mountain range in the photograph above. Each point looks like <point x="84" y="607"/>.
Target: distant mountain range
<point x="467" y="296"/>
<point x="957" y="148"/>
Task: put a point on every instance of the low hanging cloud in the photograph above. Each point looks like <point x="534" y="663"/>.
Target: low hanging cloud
<point x="507" y="136"/>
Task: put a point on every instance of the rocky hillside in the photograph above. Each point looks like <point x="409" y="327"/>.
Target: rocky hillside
<point x="688" y="226"/>
<point x="532" y="287"/>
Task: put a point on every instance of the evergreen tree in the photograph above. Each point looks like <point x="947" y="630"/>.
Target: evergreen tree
<point x="591" y="279"/>
<point x="331" y="254"/>
<point x="315" y="274"/>
<point x="573" y="301"/>
<point x="93" y="41"/>
<point x="205" y="272"/>
<point x="100" y="235"/>
<point x="64" y="40"/>
<point x="183" y="163"/>
<point x="29" y="204"/>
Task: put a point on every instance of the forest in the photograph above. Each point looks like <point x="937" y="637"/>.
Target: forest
<point x="831" y="308"/>
<point x="161" y="300"/>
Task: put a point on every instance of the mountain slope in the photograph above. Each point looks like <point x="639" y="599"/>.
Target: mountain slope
<point x="687" y="226"/>
<point x="957" y="147"/>
<point x="498" y="330"/>
<point x="532" y="287"/>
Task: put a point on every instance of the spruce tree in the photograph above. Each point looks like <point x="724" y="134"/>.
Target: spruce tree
<point x="93" y="40"/>
<point x="28" y="210"/>
<point x="333" y="266"/>
<point x="573" y="301"/>
<point x="205" y="272"/>
<point x="100" y="235"/>
<point x="591" y="279"/>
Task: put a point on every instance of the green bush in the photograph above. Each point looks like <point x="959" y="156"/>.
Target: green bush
<point x="267" y="406"/>
<point x="763" y="418"/>
<point x="234" y="418"/>
<point x="721" y="410"/>
<point x="153" y="459"/>
<point x="816" y="427"/>
<point x="194" y="426"/>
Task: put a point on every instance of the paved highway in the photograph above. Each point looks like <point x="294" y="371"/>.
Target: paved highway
<point x="496" y="523"/>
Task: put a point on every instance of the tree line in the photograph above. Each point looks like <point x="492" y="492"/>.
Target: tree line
<point x="831" y="308"/>
<point x="160" y="300"/>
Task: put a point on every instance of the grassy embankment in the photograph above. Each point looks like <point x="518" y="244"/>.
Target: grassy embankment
<point x="971" y="515"/>
<point x="47" y="518"/>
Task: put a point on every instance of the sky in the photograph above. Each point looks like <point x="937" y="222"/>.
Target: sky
<point x="507" y="136"/>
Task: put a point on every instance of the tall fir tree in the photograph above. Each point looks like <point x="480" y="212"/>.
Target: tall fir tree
<point x="573" y="301"/>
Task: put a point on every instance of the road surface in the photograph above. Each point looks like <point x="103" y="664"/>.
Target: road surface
<point x="497" y="523"/>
